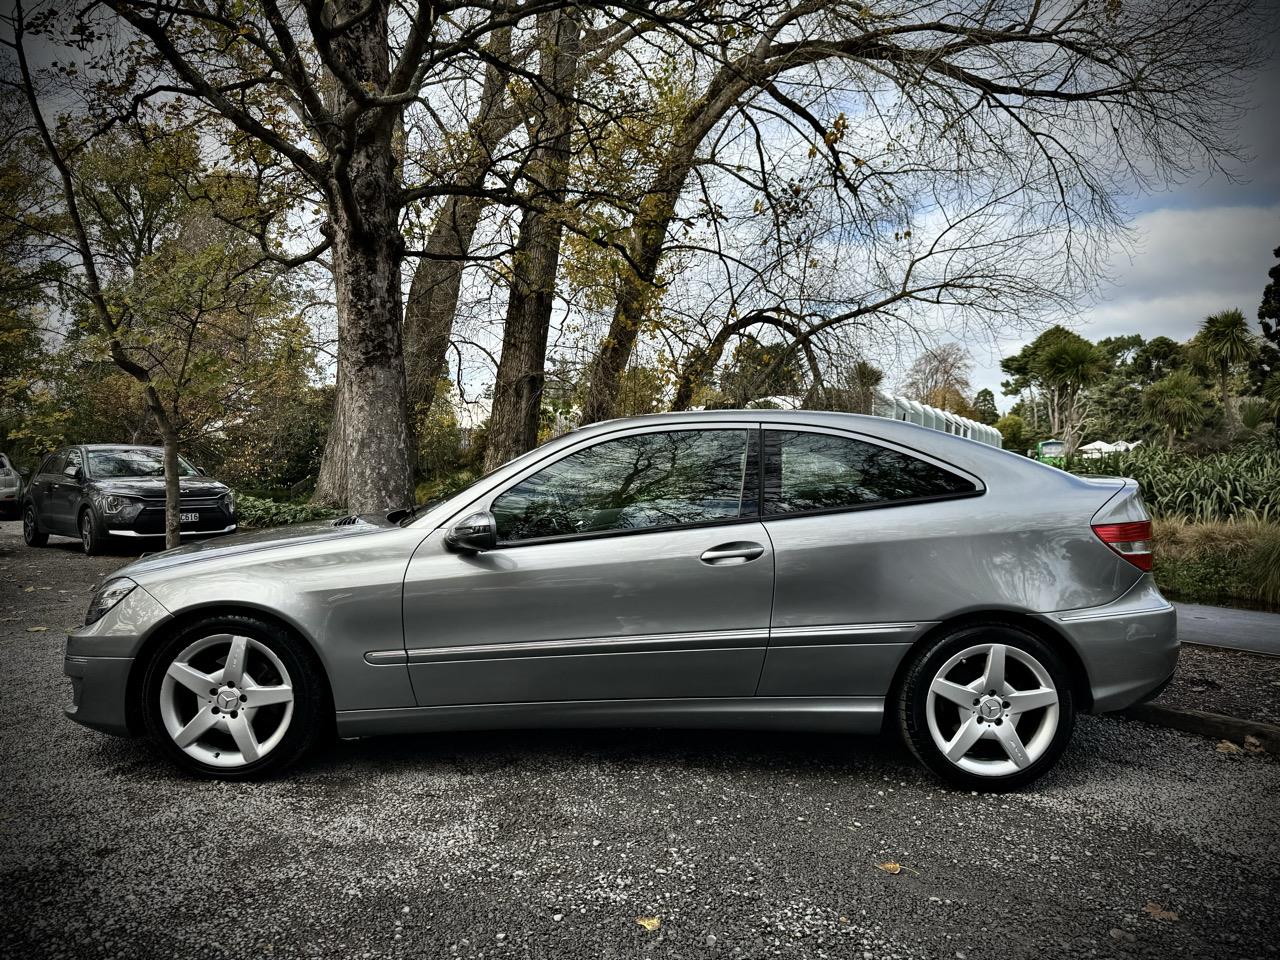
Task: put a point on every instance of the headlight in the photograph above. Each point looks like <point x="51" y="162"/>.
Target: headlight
<point x="229" y="500"/>
<point x="125" y="508"/>
<point x="111" y="593"/>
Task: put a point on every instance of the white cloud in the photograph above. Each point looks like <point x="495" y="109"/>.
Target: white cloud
<point x="1186" y="264"/>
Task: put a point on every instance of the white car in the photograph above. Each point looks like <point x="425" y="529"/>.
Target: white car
<point x="10" y="489"/>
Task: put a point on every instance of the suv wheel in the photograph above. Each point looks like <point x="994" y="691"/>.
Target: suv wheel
<point x="987" y="707"/>
<point x="32" y="535"/>
<point x="91" y="536"/>
<point x="235" y="698"/>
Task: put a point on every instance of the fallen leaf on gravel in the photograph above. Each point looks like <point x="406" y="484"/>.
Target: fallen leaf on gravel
<point x="1159" y="912"/>
<point x="890" y="867"/>
<point x="1253" y="744"/>
<point x="1226" y="746"/>
<point x="649" y="923"/>
<point x="29" y="590"/>
<point x="36" y="629"/>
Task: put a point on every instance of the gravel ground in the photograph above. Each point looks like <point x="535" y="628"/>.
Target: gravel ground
<point x="1226" y="681"/>
<point x="552" y="844"/>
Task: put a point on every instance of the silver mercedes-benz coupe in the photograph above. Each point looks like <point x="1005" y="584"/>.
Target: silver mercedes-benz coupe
<point x="757" y="569"/>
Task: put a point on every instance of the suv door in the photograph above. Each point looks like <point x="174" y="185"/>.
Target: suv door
<point x="64" y="497"/>
<point x="43" y="485"/>
<point x="632" y="567"/>
<point x="858" y="527"/>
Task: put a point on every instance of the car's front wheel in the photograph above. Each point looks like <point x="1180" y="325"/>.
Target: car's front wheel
<point x="32" y="535"/>
<point x="233" y="697"/>
<point x="92" y="537"/>
<point x="987" y="707"/>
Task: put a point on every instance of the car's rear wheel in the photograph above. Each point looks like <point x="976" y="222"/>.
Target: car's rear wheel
<point x="987" y="707"/>
<point x="92" y="537"/>
<point x="32" y="535"/>
<point x="233" y="697"/>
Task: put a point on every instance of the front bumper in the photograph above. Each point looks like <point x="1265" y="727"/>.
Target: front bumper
<point x="98" y="692"/>
<point x="100" y="659"/>
<point x="122" y="532"/>
<point x="212" y="518"/>
<point x="1129" y="647"/>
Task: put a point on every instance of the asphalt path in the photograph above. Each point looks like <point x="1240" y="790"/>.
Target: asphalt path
<point x="1250" y="630"/>
<point x="1144" y="842"/>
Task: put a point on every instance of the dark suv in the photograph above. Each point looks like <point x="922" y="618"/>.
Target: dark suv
<point x="98" y="492"/>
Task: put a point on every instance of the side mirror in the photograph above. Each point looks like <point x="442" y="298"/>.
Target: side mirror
<point x="473" y="534"/>
<point x="73" y="472"/>
<point x="200" y="472"/>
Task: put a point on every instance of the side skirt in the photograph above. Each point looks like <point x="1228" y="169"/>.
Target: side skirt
<point x="831" y="714"/>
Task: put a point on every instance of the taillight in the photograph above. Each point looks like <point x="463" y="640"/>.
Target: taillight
<point x="1131" y="540"/>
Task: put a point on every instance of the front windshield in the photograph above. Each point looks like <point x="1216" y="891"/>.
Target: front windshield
<point x="133" y="462"/>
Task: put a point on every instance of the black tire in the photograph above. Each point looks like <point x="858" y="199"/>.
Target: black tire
<point x="912" y="704"/>
<point x="92" y="537"/>
<point x="312" y="719"/>
<point x="32" y="535"/>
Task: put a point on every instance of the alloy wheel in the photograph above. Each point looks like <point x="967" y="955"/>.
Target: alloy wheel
<point x="226" y="700"/>
<point x="86" y="531"/>
<point x="992" y="709"/>
<point x="29" y="523"/>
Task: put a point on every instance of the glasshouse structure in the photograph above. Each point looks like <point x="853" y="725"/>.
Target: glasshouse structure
<point x="900" y="408"/>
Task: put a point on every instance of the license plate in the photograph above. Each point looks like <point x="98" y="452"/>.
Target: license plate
<point x="188" y="517"/>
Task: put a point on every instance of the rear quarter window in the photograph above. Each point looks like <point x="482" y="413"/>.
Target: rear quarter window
<point x="810" y="472"/>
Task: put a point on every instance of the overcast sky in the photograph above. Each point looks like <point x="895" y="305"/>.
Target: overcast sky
<point x="1201" y="247"/>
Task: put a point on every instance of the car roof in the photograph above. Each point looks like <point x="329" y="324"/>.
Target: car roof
<point x="118" y="446"/>
<point x="909" y="434"/>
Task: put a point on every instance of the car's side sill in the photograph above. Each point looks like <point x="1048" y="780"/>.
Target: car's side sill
<point x="836" y="714"/>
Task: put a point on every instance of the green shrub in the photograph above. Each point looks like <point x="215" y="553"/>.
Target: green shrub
<point x="1242" y="483"/>
<point x="1226" y="564"/>
<point x="257" y="512"/>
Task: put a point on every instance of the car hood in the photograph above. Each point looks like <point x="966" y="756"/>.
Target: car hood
<point x="254" y="541"/>
<point x="153" y="487"/>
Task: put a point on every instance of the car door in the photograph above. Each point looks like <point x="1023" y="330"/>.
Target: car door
<point x="870" y="543"/>
<point x="632" y="567"/>
<point x="64" y="497"/>
<point x="43" y="487"/>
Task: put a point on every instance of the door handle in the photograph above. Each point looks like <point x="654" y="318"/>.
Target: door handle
<point x="741" y="551"/>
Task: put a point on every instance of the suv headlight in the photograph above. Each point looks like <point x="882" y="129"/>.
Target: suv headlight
<point x="125" y="508"/>
<point x="108" y="595"/>
<point x="229" y="501"/>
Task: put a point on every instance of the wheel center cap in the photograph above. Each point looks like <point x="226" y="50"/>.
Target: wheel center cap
<point x="990" y="708"/>
<point x="228" y="700"/>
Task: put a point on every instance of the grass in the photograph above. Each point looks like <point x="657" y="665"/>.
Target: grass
<point x="1222" y="563"/>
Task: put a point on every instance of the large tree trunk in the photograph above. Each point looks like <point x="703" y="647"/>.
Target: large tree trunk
<point x="517" y="392"/>
<point x="648" y="237"/>
<point x="433" y="293"/>
<point x="371" y="431"/>
<point x="433" y="299"/>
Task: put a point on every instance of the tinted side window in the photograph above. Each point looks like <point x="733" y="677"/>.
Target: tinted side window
<point x="644" y="480"/>
<point x="55" y="463"/>
<point x="818" y="471"/>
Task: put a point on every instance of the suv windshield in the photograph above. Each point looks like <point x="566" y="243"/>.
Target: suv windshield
<point x="133" y="462"/>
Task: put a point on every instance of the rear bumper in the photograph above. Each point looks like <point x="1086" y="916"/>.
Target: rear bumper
<point x="98" y="687"/>
<point x="1129" y="647"/>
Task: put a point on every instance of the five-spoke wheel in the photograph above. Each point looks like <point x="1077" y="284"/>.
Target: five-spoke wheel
<point x="234" y="696"/>
<point x="226" y="700"/>
<point x="988" y="707"/>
